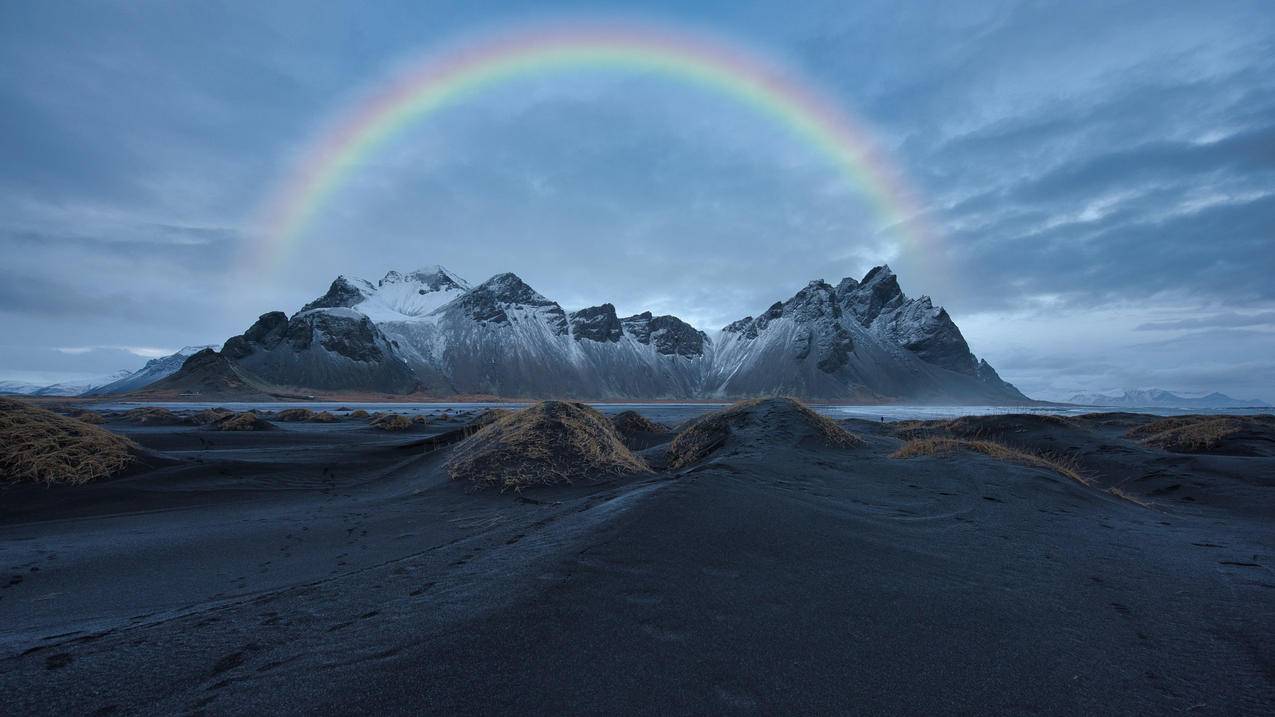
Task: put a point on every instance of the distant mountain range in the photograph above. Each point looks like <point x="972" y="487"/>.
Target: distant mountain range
<point x="62" y="388"/>
<point x="429" y="332"/>
<point x="154" y="370"/>
<point x="1159" y="398"/>
<point x="121" y="381"/>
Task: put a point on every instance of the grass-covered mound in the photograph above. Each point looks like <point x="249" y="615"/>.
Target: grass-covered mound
<point x="627" y="422"/>
<point x="392" y="422"/>
<point x="210" y="416"/>
<point x="1241" y="435"/>
<point x="994" y="427"/>
<point x="153" y="416"/>
<point x="246" y="421"/>
<point x="638" y="431"/>
<point x="304" y="415"/>
<point x="548" y="443"/>
<point x="359" y="413"/>
<point x="43" y="447"/>
<point x="765" y="421"/>
<point x="939" y="446"/>
<point x="490" y="416"/>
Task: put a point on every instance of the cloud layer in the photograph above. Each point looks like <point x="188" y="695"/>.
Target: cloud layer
<point x="1100" y="174"/>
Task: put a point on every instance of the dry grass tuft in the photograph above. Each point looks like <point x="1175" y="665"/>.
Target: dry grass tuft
<point x="211" y="415"/>
<point x="246" y="421"/>
<point x="490" y="416"/>
<point x="1126" y="495"/>
<point x="939" y="446"/>
<point x="548" y="443"/>
<point x="297" y="415"/>
<point x="359" y="413"/>
<point x="153" y="416"/>
<point x="908" y="430"/>
<point x="979" y="427"/>
<point x="43" y="447"/>
<point x="392" y="422"/>
<point x="630" y="422"/>
<point x="1161" y="426"/>
<point x="706" y="434"/>
<point x="1187" y="434"/>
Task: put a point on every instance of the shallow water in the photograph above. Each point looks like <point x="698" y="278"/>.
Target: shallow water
<point x="672" y="413"/>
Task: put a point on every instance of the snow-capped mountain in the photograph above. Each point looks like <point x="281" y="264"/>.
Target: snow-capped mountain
<point x="860" y="340"/>
<point x="329" y="349"/>
<point x="429" y="331"/>
<point x="63" y="388"/>
<point x="396" y="297"/>
<point x="1159" y="398"/>
<point x="154" y="370"/>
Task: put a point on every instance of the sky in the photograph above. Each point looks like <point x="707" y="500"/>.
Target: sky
<point x="1098" y="178"/>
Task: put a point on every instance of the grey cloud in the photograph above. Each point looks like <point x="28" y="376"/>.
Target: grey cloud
<point x="1227" y="319"/>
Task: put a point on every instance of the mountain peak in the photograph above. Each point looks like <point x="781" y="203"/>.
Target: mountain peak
<point x="878" y="293"/>
<point x="670" y="335"/>
<point x="878" y="273"/>
<point x="596" y="323"/>
<point x="491" y="301"/>
<point x="433" y="277"/>
<point x="509" y="288"/>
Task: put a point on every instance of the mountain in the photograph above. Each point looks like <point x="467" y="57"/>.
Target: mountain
<point x="328" y="349"/>
<point x="395" y="297"/>
<point x="210" y="374"/>
<point x="154" y="370"/>
<point x="431" y="332"/>
<point x="123" y="381"/>
<point x="1159" y="398"/>
<point x="64" y="388"/>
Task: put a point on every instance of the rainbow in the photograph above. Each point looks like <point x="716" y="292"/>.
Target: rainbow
<point x="443" y="78"/>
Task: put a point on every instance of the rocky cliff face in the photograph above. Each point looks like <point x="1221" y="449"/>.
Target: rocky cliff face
<point x="860" y="340"/>
<point x="209" y="374"/>
<point x="430" y="331"/>
<point x="333" y="349"/>
<point x="879" y="305"/>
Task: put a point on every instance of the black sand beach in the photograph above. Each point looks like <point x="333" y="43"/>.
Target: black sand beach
<point x="332" y="568"/>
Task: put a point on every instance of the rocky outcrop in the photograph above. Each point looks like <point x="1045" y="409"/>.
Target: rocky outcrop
<point x="333" y="349"/>
<point x="668" y="334"/>
<point x="596" y="323"/>
<point x="209" y="375"/>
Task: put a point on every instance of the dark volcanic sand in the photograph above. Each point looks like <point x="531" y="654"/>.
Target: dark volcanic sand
<point x="327" y="569"/>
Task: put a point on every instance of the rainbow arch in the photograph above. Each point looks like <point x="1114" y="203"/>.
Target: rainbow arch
<point x="443" y="78"/>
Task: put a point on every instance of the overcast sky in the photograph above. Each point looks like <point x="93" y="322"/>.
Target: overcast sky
<point x="1100" y="176"/>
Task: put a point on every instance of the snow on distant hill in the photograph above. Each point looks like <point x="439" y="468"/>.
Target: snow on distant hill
<point x="154" y="370"/>
<point x="63" y="388"/>
<point x="1159" y="398"/>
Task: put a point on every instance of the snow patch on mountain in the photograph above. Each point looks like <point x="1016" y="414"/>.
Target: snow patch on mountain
<point x="154" y="370"/>
<point x="1160" y="398"/>
<point x="430" y="331"/>
<point x="396" y="297"/>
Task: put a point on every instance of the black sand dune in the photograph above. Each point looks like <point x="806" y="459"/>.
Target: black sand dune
<point x="332" y="568"/>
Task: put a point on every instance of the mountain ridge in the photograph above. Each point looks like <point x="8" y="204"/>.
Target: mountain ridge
<point x="1160" y="398"/>
<point x="429" y="332"/>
